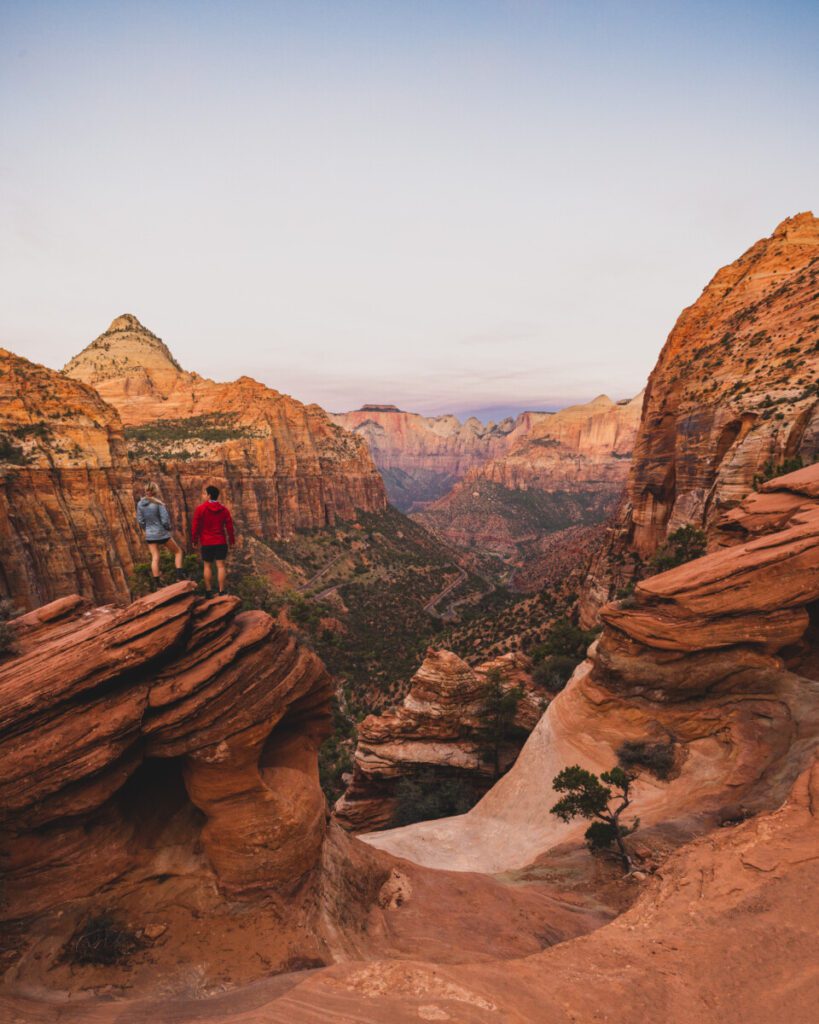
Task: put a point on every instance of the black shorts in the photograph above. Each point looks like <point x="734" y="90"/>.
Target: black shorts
<point x="214" y="552"/>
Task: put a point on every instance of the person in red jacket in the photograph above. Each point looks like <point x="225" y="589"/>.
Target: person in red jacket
<point x="212" y="528"/>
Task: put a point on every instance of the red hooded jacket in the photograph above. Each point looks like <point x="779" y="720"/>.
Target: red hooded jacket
<point x="212" y="524"/>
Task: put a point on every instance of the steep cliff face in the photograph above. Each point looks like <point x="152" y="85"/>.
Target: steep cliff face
<point x="733" y="397"/>
<point x="438" y="727"/>
<point x="559" y="470"/>
<point x="66" y="489"/>
<point x="283" y="466"/>
<point x="422" y="457"/>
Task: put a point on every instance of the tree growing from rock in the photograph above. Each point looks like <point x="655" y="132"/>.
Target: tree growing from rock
<point x="600" y="800"/>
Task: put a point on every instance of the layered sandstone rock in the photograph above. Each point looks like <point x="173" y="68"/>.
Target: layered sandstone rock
<point x="422" y="457"/>
<point x="66" y="489"/>
<point x="717" y="657"/>
<point x="438" y="727"/>
<point x="733" y="397"/>
<point x="283" y="466"/>
<point x="559" y="470"/>
<point x="169" y="707"/>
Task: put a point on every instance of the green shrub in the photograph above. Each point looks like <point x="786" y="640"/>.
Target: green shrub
<point x="555" y="671"/>
<point x="658" y="758"/>
<point x="11" y="452"/>
<point x="428" y="795"/>
<point x="681" y="546"/>
<point x="8" y="638"/>
<point x="140" y="581"/>
<point x="772" y="469"/>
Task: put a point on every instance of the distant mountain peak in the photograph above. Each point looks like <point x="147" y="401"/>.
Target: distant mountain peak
<point x="125" y="346"/>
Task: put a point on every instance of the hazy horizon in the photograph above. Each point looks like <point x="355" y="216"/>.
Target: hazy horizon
<point x="446" y="206"/>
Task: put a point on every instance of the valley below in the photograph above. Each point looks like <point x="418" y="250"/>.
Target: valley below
<point x="333" y="792"/>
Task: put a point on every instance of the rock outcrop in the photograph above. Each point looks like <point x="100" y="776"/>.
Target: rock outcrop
<point x="422" y="457"/>
<point x="283" y="466"/>
<point x="437" y="728"/>
<point x="183" y="708"/>
<point x="718" y="658"/>
<point x="733" y="398"/>
<point x="559" y="470"/>
<point x="66" y="489"/>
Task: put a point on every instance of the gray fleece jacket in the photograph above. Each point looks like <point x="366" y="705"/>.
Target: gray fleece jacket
<point x="154" y="519"/>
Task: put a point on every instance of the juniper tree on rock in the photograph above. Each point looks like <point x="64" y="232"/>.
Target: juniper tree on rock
<point x="590" y="797"/>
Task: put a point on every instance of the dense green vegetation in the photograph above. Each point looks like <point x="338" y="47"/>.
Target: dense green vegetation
<point x="773" y="469"/>
<point x="140" y="581"/>
<point x="560" y="653"/>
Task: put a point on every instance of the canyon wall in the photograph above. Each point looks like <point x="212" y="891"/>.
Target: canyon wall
<point x="66" y="489"/>
<point x="734" y="397"/>
<point x="282" y="466"/>
<point x="440" y="728"/>
<point x="559" y="470"/>
<point x="422" y="457"/>
<point x="717" y="659"/>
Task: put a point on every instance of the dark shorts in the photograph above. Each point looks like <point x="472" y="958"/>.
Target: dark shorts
<point x="214" y="552"/>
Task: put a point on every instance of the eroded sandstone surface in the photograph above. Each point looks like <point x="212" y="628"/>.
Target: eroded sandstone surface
<point x="66" y="489"/>
<point x="439" y="727"/>
<point x="733" y="398"/>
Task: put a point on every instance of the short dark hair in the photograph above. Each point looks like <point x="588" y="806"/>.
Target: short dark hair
<point x="212" y="492"/>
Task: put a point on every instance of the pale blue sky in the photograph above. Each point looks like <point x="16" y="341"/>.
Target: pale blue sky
<point x="444" y="205"/>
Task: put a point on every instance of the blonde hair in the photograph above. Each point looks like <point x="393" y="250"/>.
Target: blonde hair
<point x="152" y="492"/>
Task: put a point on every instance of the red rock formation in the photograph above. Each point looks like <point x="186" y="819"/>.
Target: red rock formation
<point x="95" y="697"/>
<point x="422" y="457"/>
<point x="732" y="397"/>
<point x="66" y="489"/>
<point x="282" y="465"/>
<point x="560" y="470"/>
<point x="717" y="656"/>
<point x="436" y="727"/>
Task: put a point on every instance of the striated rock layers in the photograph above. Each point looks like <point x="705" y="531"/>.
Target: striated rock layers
<point x="176" y="708"/>
<point x="563" y="469"/>
<point x="66" y="490"/>
<point x="438" y="727"/>
<point x="283" y="466"/>
<point x="733" y="398"/>
<point x="422" y="457"/>
<point x="719" y="657"/>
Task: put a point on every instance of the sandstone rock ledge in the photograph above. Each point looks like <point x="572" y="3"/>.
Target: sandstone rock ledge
<point x="172" y="701"/>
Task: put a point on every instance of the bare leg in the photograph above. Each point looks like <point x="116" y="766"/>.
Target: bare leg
<point x="221" y="573"/>
<point x="175" y="549"/>
<point x="208" y="571"/>
<point x="154" y="549"/>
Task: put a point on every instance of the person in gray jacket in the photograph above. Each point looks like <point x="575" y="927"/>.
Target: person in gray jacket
<point x="155" y="522"/>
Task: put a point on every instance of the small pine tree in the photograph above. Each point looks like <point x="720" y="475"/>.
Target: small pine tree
<point x="497" y="715"/>
<point x="590" y="797"/>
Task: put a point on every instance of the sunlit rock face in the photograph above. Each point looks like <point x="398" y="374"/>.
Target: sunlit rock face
<point x="422" y="457"/>
<point x="733" y="398"/>
<point x="560" y="472"/>
<point x="282" y="465"/>
<point x="66" y="489"/>
<point x="174" y="709"/>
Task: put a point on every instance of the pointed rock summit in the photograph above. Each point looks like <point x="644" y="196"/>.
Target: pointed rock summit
<point x="126" y="347"/>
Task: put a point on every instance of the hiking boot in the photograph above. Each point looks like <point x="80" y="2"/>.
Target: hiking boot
<point x="208" y="595"/>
